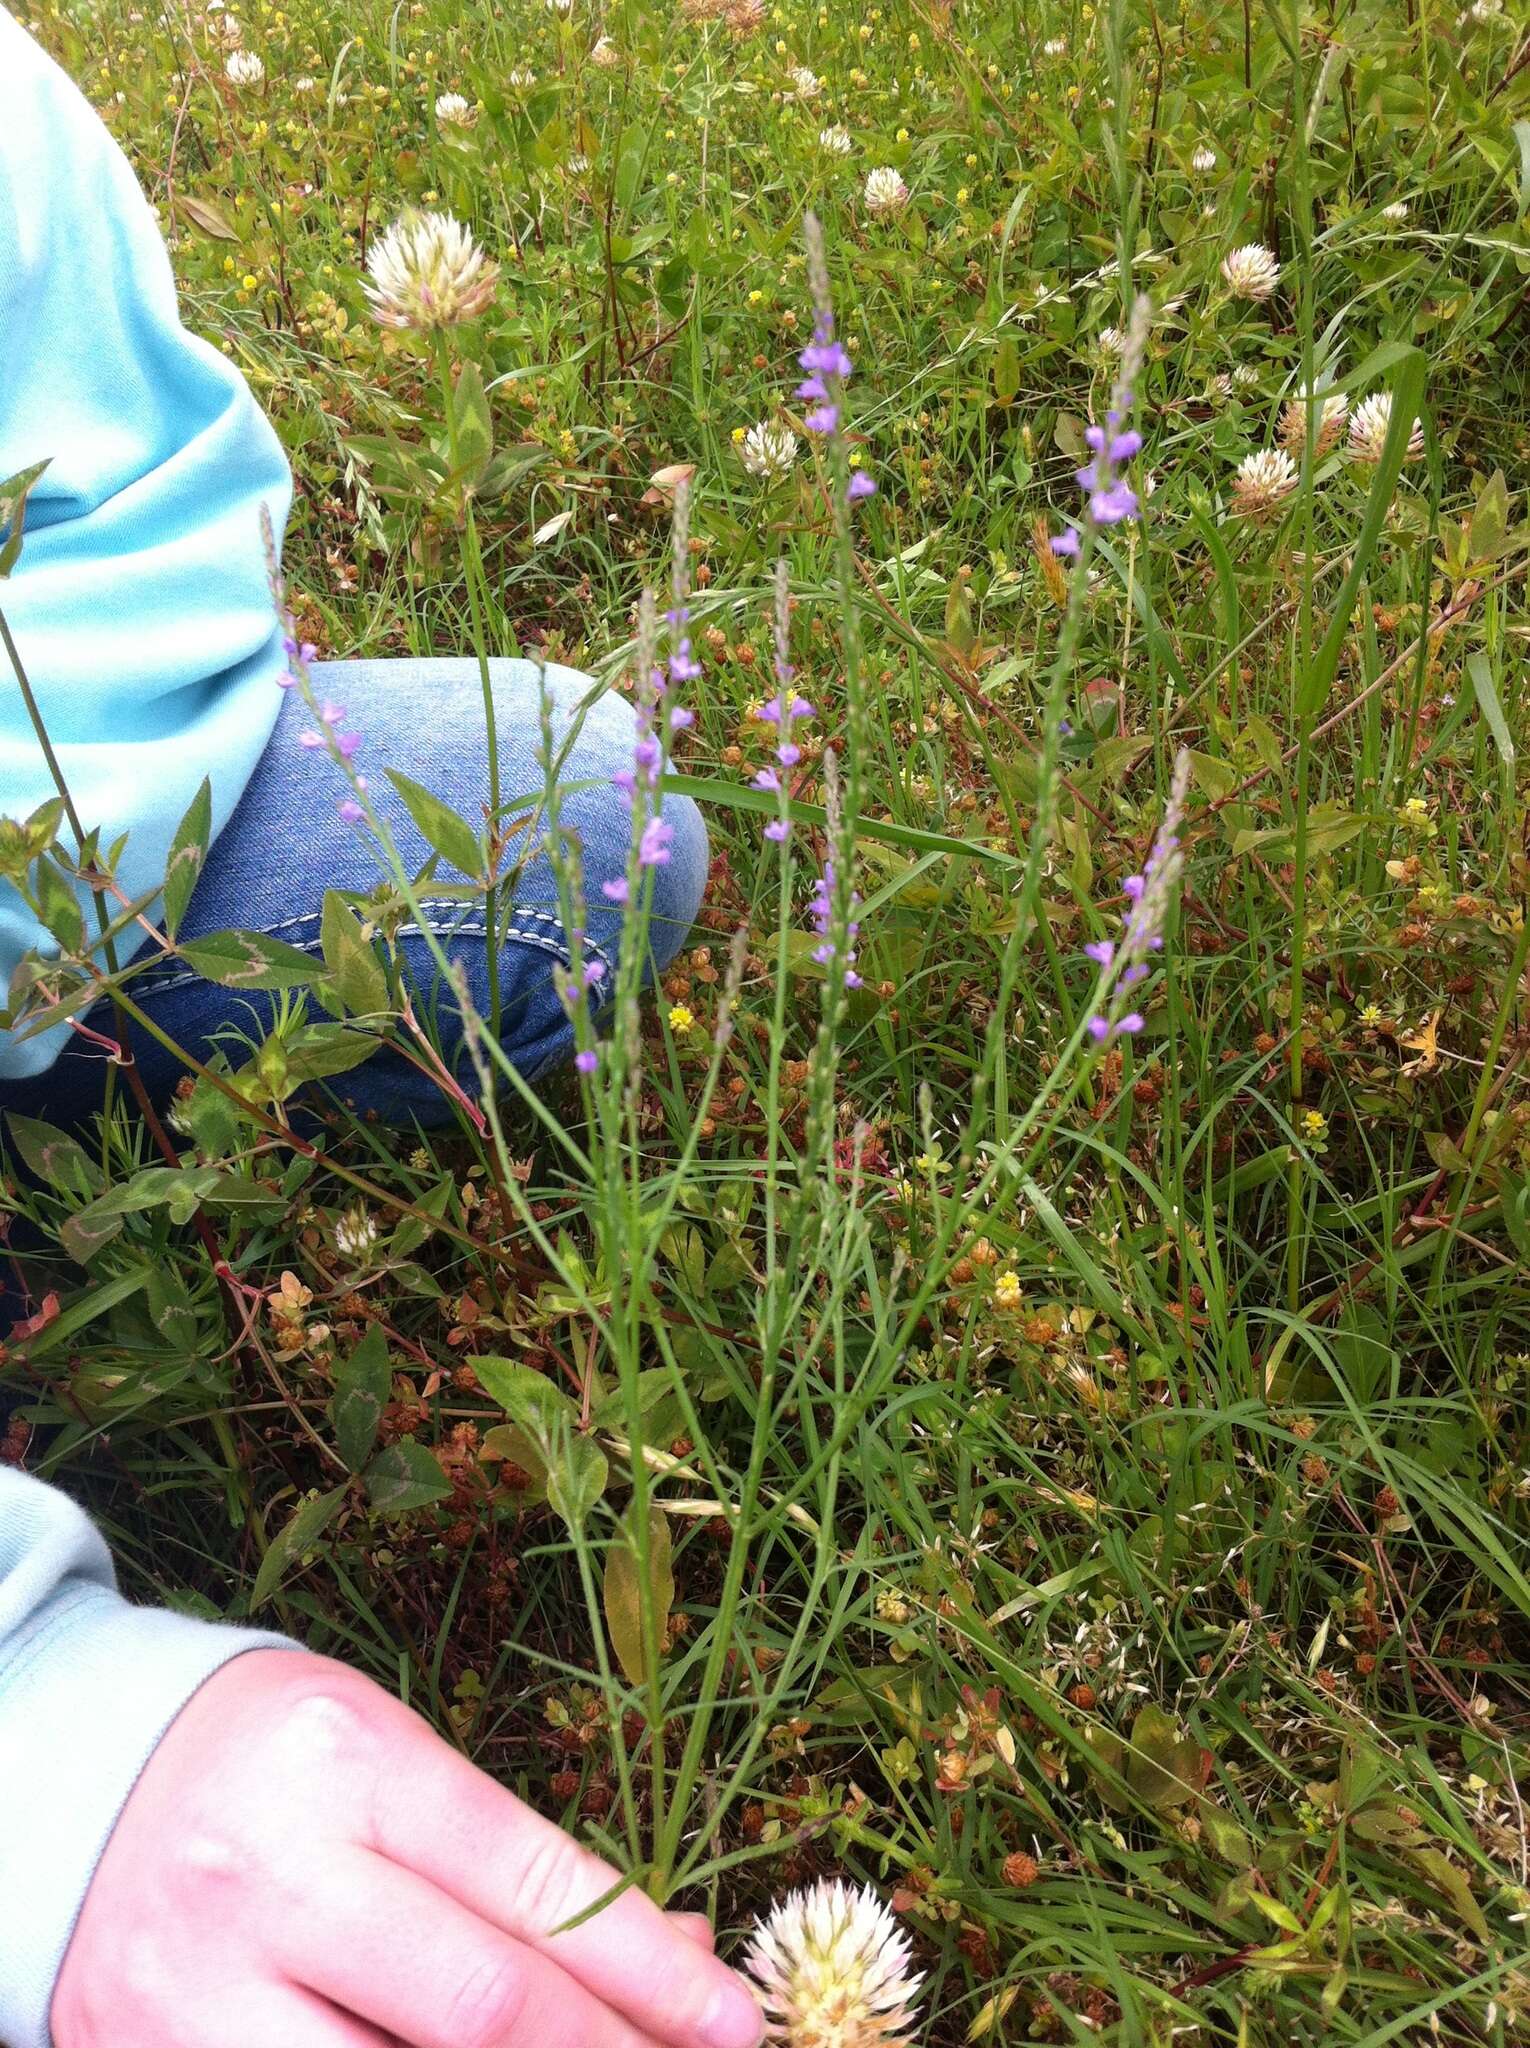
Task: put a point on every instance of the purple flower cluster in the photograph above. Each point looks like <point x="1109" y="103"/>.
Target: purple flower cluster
<point x="1109" y="498"/>
<point x="780" y="711"/>
<point x="1123" y="963"/>
<point x="658" y="718"/>
<point x="827" y="361"/>
<point x="331" y="737"/>
<point x="821" y="908"/>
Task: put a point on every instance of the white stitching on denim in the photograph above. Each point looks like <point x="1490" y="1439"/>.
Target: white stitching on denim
<point x="147" y="984"/>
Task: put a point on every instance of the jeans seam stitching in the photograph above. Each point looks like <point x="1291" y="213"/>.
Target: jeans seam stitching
<point x="544" y="941"/>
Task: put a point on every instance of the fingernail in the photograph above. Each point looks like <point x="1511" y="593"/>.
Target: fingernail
<point x="733" y="2020"/>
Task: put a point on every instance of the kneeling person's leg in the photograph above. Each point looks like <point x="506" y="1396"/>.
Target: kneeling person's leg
<point x="286" y="844"/>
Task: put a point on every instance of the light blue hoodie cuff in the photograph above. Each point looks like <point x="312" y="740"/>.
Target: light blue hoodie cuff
<point x="84" y="1699"/>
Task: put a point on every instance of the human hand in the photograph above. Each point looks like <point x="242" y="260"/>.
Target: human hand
<point x="304" y="1864"/>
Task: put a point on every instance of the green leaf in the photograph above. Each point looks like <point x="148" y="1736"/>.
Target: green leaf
<point x="14" y="493"/>
<point x="313" y="1517"/>
<point x="527" y="1396"/>
<point x="355" y="984"/>
<point x="475" y="426"/>
<point x="60" y="907"/>
<point x="1006" y="370"/>
<point x="51" y="1153"/>
<point x="249" y="960"/>
<point x="324" y="1049"/>
<point x="406" y="1475"/>
<point x="1480" y="669"/>
<point x="188" y="850"/>
<point x="454" y="840"/>
<point x="1407" y="398"/>
<point x="209" y="218"/>
<point x="362" y="1386"/>
<point x="1489" y="525"/>
<point x="1436" y="1867"/>
<point x="1215" y="779"/>
<point x="623" y="1590"/>
<point x="83" y="1235"/>
<point x="172" y="1311"/>
<point x="577" y="1472"/>
<point x="1162" y="1766"/>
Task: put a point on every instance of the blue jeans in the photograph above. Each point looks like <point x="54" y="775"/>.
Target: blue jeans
<point x="286" y="844"/>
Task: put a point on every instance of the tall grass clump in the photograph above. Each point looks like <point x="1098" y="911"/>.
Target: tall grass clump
<point x="985" y="1415"/>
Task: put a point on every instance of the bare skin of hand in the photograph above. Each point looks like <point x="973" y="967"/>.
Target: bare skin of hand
<point x="304" y="1864"/>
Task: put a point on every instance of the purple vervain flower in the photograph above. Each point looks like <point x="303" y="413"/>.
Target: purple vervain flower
<point x="1124" y="964"/>
<point x="1110" y="499"/>
<point x="827" y="364"/>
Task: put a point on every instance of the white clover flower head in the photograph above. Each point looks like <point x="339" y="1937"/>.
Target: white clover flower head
<point x="832" y="1969"/>
<point x="522" y="78"/>
<point x="304" y="86"/>
<point x="1204" y="160"/>
<point x="576" y="165"/>
<point x="1368" y="430"/>
<point x="426" y="273"/>
<point x="837" y="141"/>
<point x="769" y="449"/>
<point x="560" y="6"/>
<point x="355" y="1232"/>
<point x="605" y="55"/>
<point x="453" y="111"/>
<point x="1250" y="272"/>
<point x="244" y="70"/>
<point x="806" y="84"/>
<point x="1245" y="377"/>
<point x="1333" y="411"/>
<point x="886" y="193"/>
<point x="1055" y="46"/>
<point x="1397" y="211"/>
<point x="1111" y="343"/>
<point x="1264" y="480"/>
<point x="226" y="29"/>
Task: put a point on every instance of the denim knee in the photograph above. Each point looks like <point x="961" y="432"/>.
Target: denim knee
<point x="680" y="883"/>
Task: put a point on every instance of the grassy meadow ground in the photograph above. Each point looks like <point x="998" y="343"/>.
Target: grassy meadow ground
<point x="1085" y="1488"/>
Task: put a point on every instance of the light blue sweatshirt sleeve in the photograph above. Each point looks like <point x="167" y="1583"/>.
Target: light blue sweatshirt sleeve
<point x="88" y="1685"/>
<point x="140" y="605"/>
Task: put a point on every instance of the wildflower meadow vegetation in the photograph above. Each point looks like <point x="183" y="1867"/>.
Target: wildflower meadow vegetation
<point x="1005" y="1380"/>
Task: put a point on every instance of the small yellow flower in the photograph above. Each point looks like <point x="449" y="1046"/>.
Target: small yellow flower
<point x="755" y="297"/>
<point x="1370" y="1016"/>
<point x="1006" y="1289"/>
<point x="962" y="195"/>
<point x="902" y="135"/>
<point x="681" y="1020"/>
<point x="970" y="161"/>
<point x="249" y="281"/>
<point x="1314" y="1124"/>
<point x="738" y="435"/>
